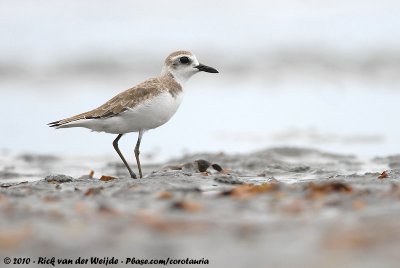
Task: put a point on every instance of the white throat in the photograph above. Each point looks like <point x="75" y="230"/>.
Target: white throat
<point x="180" y="76"/>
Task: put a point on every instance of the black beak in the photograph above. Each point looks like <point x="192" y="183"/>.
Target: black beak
<point x="205" y="68"/>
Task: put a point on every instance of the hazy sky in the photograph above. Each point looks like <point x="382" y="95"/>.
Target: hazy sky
<point x="43" y="30"/>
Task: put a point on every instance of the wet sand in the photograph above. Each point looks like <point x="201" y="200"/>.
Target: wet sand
<point x="280" y="207"/>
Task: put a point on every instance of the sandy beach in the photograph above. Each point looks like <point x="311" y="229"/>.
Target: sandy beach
<point x="279" y="207"/>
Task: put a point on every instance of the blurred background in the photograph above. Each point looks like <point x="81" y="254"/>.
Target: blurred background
<point x="319" y="74"/>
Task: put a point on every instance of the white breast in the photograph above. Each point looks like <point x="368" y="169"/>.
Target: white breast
<point x="150" y="114"/>
<point x="153" y="112"/>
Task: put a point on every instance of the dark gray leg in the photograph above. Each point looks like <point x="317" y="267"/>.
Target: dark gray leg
<point x="115" y="144"/>
<point x="137" y="152"/>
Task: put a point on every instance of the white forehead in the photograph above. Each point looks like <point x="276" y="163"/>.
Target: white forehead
<point x="173" y="57"/>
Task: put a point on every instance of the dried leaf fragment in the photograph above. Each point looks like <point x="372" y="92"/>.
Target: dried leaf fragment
<point x="187" y="206"/>
<point x="294" y="207"/>
<point x="358" y="205"/>
<point x="168" y="226"/>
<point x="88" y="176"/>
<point x="93" y="191"/>
<point x="383" y="175"/>
<point x="318" y="190"/>
<point x="164" y="195"/>
<point x="248" y="190"/>
<point x="11" y="239"/>
<point x="3" y="198"/>
<point x="107" y="211"/>
<point x="107" y="178"/>
<point x="50" y="198"/>
<point x="80" y="207"/>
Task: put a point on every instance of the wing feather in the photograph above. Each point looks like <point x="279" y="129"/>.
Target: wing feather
<point x="118" y="104"/>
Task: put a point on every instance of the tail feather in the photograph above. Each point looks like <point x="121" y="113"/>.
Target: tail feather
<point x="78" y="117"/>
<point x="61" y="122"/>
<point x="64" y="122"/>
<point x="55" y="123"/>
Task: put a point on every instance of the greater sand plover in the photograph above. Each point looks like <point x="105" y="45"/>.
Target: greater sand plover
<point x="145" y="106"/>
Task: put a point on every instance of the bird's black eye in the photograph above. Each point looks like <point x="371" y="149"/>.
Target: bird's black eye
<point x="184" y="60"/>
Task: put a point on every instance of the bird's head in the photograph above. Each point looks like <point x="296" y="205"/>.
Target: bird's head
<point x="183" y="64"/>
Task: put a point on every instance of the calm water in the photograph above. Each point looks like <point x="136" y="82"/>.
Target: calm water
<point x="233" y="117"/>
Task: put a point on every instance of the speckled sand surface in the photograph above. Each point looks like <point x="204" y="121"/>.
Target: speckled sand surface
<point x="280" y="207"/>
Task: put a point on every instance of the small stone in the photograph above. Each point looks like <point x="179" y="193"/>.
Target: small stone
<point x="299" y="169"/>
<point x="58" y="178"/>
<point x="202" y="165"/>
<point x="229" y="179"/>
